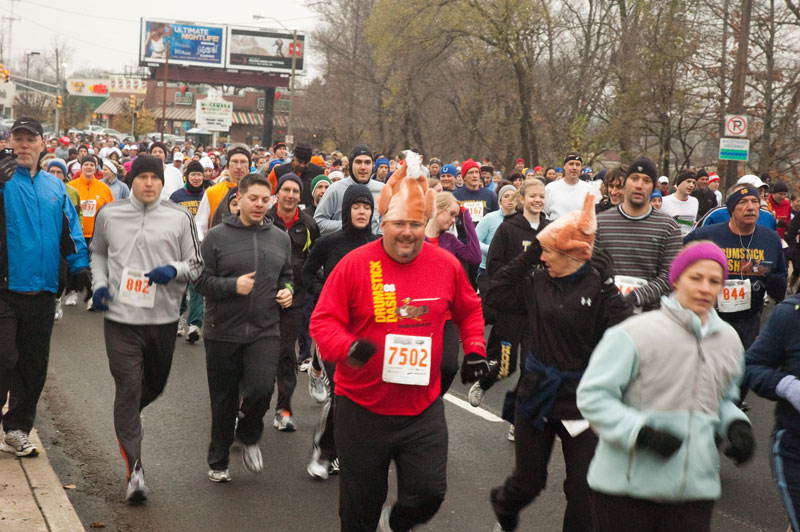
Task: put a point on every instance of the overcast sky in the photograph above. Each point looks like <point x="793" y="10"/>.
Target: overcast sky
<point x="105" y="33"/>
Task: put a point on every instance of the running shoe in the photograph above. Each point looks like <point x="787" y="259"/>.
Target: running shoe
<point x="304" y="365"/>
<point x="317" y="385"/>
<point x="251" y="457"/>
<point x="476" y="394"/>
<point x="383" y="524"/>
<point x="137" y="490"/>
<point x="71" y="299"/>
<point x="181" y="327"/>
<point x="219" y="475"/>
<point x="284" y="421"/>
<point x="317" y="467"/>
<point x="511" y="433"/>
<point x="90" y="306"/>
<point x="18" y="442"/>
<point x="193" y="334"/>
<point x="334" y="469"/>
<point x="59" y="311"/>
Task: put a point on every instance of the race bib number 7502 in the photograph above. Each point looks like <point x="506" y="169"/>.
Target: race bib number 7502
<point x="407" y="359"/>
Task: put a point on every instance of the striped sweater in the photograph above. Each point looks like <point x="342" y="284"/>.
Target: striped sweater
<point x="641" y="247"/>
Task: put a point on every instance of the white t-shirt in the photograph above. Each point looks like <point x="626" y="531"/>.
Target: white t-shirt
<point x="560" y="197"/>
<point x="684" y="212"/>
<point x="173" y="180"/>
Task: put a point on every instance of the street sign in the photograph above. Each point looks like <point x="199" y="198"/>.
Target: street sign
<point x="214" y="115"/>
<point x="289" y="139"/>
<point x="733" y="149"/>
<point x="735" y="126"/>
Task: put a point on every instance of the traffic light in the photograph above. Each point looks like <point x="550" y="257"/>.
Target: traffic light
<point x="59" y="102"/>
<point x="133" y="101"/>
<point x="6" y="76"/>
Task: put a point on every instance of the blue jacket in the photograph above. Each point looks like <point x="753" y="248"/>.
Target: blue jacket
<point x="38" y="225"/>
<point x="774" y="355"/>
<point x="720" y="215"/>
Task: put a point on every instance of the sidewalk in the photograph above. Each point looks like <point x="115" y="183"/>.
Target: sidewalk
<point x="32" y="498"/>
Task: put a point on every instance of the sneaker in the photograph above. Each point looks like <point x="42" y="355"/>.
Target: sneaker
<point x="334" y="468"/>
<point x="193" y="334"/>
<point x="181" y="327"/>
<point x="17" y="442"/>
<point x="137" y="490"/>
<point x="318" y="468"/>
<point x="476" y="394"/>
<point x="317" y="385"/>
<point x="71" y="299"/>
<point x="383" y="524"/>
<point x="59" y="311"/>
<point x="284" y="421"/>
<point x="511" y="433"/>
<point x="304" y="365"/>
<point x="219" y="475"/>
<point x="251" y="457"/>
<point x="90" y="306"/>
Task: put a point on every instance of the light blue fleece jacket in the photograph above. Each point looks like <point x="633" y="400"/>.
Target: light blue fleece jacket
<point x="688" y="386"/>
<point x="486" y="229"/>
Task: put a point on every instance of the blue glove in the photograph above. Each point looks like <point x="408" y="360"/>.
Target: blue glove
<point x="789" y="389"/>
<point x="161" y="275"/>
<point x="101" y="298"/>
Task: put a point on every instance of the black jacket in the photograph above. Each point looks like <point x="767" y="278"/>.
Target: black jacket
<point x="569" y="314"/>
<point x="306" y="177"/>
<point x="512" y="237"/>
<point x="706" y="200"/>
<point x="229" y="251"/>
<point x="331" y="248"/>
<point x="303" y="233"/>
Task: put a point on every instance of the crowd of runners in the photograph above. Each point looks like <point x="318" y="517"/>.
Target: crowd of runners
<point x="373" y="274"/>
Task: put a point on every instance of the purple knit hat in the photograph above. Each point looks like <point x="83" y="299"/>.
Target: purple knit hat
<point x="693" y="253"/>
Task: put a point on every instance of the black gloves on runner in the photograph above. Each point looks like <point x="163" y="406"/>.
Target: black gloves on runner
<point x="602" y="262"/>
<point x="360" y="352"/>
<point x="743" y="444"/>
<point x="659" y="441"/>
<point x="82" y="282"/>
<point x="8" y="165"/>
<point x="474" y="367"/>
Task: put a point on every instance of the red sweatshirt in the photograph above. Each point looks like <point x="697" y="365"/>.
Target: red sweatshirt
<point x="369" y="295"/>
<point x="782" y="211"/>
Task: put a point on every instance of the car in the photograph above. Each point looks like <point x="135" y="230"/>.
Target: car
<point x="113" y="133"/>
<point x="6" y="123"/>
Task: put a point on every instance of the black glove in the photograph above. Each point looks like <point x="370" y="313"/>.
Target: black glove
<point x="659" y="441"/>
<point x="8" y="165"/>
<point x="82" y="282"/>
<point x="603" y="263"/>
<point x="742" y="445"/>
<point x="360" y="352"/>
<point x="533" y="254"/>
<point x="473" y="368"/>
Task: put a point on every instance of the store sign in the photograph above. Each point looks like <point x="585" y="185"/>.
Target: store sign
<point x="214" y="115"/>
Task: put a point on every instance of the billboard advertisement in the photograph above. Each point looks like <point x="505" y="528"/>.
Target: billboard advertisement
<point x="264" y="50"/>
<point x="189" y="44"/>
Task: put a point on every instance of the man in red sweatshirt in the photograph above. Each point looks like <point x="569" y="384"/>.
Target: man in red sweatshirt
<point x="780" y="206"/>
<point x="380" y="317"/>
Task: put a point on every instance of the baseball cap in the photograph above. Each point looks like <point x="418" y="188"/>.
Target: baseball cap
<point x="177" y="156"/>
<point x="753" y="180"/>
<point x="663" y="179"/>
<point x="28" y="124"/>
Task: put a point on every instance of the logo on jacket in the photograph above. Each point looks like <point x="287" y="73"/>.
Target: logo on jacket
<point x="412" y="312"/>
<point x="586" y="301"/>
<point x="384" y="299"/>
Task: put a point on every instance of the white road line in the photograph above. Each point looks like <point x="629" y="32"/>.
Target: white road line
<point x="480" y="412"/>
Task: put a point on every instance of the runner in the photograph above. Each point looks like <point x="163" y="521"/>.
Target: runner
<point x="447" y="177"/>
<point x="301" y="166"/>
<point x="357" y="208"/>
<point x="706" y="199"/>
<point x="613" y="189"/>
<point x="780" y="206"/>
<point x="287" y="216"/>
<point x="477" y="199"/>
<point x="681" y="205"/>
<point x="247" y="278"/>
<point x="713" y="184"/>
<point x="144" y="251"/>
<point x="721" y="214"/>
<point x="641" y="240"/>
<point x="238" y="158"/>
<point x="173" y="177"/>
<point x="319" y="185"/>
<point x="660" y="407"/>
<point x="568" y="307"/>
<point x="38" y="226"/>
<point x="566" y="195"/>
<point x="119" y="190"/>
<point x="382" y="310"/>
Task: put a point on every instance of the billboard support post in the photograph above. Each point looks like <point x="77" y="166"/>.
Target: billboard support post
<point x="164" y="97"/>
<point x="269" y="105"/>
<point x="291" y="83"/>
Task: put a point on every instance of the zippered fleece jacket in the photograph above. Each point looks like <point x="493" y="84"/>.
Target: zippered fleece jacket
<point x="129" y="233"/>
<point x="687" y="386"/>
<point x="230" y="250"/>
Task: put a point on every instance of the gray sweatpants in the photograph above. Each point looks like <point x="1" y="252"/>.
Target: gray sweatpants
<point x="140" y="357"/>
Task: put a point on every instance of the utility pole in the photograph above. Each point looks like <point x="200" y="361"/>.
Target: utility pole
<point x="164" y="96"/>
<point x="11" y="20"/>
<point x="58" y="87"/>
<point x="736" y="105"/>
<point x="291" y="85"/>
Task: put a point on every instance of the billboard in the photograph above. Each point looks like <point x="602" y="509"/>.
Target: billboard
<point x="189" y="44"/>
<point x="264" y="50"/>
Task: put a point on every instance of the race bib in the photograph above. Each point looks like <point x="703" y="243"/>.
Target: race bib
<point x="686" y="223"/>
<point x="735" y="296"/>
<point x="475" y="209"/>
<point x="626" y="283"/>
<point x="134" y="291"/>
<point x="88" y="208"/>
<point x="407" y="359"/>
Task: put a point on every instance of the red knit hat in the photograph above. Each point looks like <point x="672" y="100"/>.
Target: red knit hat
<point x="468" y="165"/>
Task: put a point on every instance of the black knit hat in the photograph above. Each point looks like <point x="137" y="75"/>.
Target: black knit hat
<point x="701" y="173"/>
<point x="358" y="150"/>
<point x="147" y="163"/>
<point x="193" y="166"/>
<point x="289" y="176"/>
<point x="237" y="149"/>
<point x="88" y="159"/>
<point x="159" y="145"/>
<point x="683" y="176"/>
<point x="642" y="165"/>
<point x="302" y="152"/>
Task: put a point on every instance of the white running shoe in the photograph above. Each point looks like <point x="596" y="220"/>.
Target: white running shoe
<point x="90" y="306"/>
<point x="181" y="327"/>
<point x="59" y="311"/>
<point x="193" y="334"/>
<point x="476" y="394"/>
<point x="317" y="385"/>
<point x="318" y="468"/>
<point x="137" y="490"/>
<point x="18" y="442"/>
<point x="511" y="433"/>
<point x="71" y="299"/>
<point x="284" y="421"/>
<point x="304" y="365"/>
<point x="251" y="457"/>
<point x="217" y="475"/>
